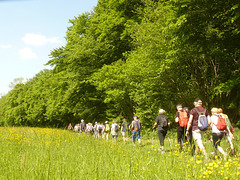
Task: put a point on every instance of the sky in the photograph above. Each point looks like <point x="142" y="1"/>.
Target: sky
<point x="29" y="31"/>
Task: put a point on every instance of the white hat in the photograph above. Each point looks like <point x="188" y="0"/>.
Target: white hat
<point x="82" y="120"/>
<point x="161" y="111"/>
<point x="106" y="122"/>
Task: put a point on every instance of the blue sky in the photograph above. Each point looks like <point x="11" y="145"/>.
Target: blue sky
<point x="29" y="30"/>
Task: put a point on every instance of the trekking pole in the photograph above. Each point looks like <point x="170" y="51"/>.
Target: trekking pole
<point x="170" y="143"/>
<point x="153" y="136"/>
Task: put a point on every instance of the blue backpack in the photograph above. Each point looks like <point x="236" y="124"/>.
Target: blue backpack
<point x="137" y="125"/>
<point x="202" y="120"/>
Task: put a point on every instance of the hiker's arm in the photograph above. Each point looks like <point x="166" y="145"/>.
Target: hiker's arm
<point x="132" y="126"/>
<point x="168" y="123"/>
<point x="189" y="124"/>
<point x="154" y="126"/>
<point x="176" y="119"/>
<point x="209" y="120"/>
<point x="229" y="133"/>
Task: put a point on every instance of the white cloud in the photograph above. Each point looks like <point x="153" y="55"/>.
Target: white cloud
<point x="27" y="53"/>
<point x="39" y="40"/>
<point x="5" y="46"/>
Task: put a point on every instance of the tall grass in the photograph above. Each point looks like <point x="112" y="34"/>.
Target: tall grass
<point x="39" y="153"/>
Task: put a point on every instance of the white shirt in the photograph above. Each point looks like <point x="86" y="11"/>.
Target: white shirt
<point x="214" y="119"/>
<point x="113" y="132"/>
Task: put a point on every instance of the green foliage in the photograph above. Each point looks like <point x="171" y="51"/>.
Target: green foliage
<point x="134" y="57"/>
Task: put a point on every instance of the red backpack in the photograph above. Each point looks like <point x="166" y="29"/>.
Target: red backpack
<point x="221" y="125"/>
<point x="183" y="118"/>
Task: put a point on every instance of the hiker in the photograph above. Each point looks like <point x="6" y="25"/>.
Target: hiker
<point x="190" y="131"/>
<point x="182" y="120"/>
<point x="95" y="130"/>
<point x="82" y="126"/>
<point x="218" y="131"/>
<point x="198" y="115"/>
<point x="106" y="130"/>
<point x="229" y="133"/>
<point x="124" y="129"/>
<point x="136" y="127"/>
<point x="114" y="130"/>
<point x="163" y="123"/>
<point x="89" y="128"/>
<point x="99" y="130"/>
<point x="70" y="126"/>
<point x="76" y="127"/>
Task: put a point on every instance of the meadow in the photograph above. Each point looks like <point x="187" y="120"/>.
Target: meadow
<point x="43" y="153"/>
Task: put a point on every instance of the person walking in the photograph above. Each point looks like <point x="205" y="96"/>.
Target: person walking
<point x="124" y="129"/>
<point x="163" y="123"/>
<point x="136" y="127"/>
<point x="82" y="126"/>
<point x="99" y="130"/>
<point x="106" y="130"/>
<point x="217" y="133"/>
<point x="230" y="130"/>
<point x="114" y="130"/>
<point x="95" y="131"/>
<point x="181" y="119"/>
<point x="199" y="120"/>
<point x="70" y="126"/>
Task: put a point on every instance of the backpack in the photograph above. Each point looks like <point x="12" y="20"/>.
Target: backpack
<point x="107" y="127"/>
<point x="116" y="128"/>
<point x="100" y="128"/>
<point x="164" y="122"/>
<point x="137" y="125"/>
<point x="125" y="125"/>
<point x="229" y="125"/>
<point x="202" y="120"/>
<point x="183" y="118"/>
<point x="221" y="124"/>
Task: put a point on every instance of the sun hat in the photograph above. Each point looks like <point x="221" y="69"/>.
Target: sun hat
<point x="161" y="111"/>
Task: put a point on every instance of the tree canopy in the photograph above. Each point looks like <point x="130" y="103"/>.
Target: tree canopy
<point x="134" y="57"/>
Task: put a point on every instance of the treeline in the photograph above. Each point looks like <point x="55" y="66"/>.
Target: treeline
<point x="134" y="57"/>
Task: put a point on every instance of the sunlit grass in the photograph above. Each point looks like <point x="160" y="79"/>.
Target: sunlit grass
<point x="41" y="153"/>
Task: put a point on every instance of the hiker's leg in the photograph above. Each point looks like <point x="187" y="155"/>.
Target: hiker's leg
<point x="139" y="137"/>
<point x="229" y="139"/>
<point x="197" y="136"/>
<point x="161" y="138"/>
<point x="190" y="137"/>
<point x="179" y="136"/>
<point x="123" y="135"/>
<point x="186" y="140"/>
<point x="217" y="137"/>
<point x="134" y="137"/>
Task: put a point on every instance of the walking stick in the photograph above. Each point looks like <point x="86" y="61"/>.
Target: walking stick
<point x="153" y="136"/>
<point x="170" y="143"/>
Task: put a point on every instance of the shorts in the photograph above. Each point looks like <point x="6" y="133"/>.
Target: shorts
<point x="136" y="134"/>
<point x="197" y="134"/>
<point x="123" y="134"/>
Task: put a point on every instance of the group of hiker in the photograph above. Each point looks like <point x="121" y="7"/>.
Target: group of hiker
<point x="192" y="125"/>
<point x="104" y="130"/>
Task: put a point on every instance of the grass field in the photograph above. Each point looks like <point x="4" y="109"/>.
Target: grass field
<point x="41" y="153"/>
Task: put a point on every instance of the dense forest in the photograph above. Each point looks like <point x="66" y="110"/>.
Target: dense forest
<point x="133" y="57"/>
